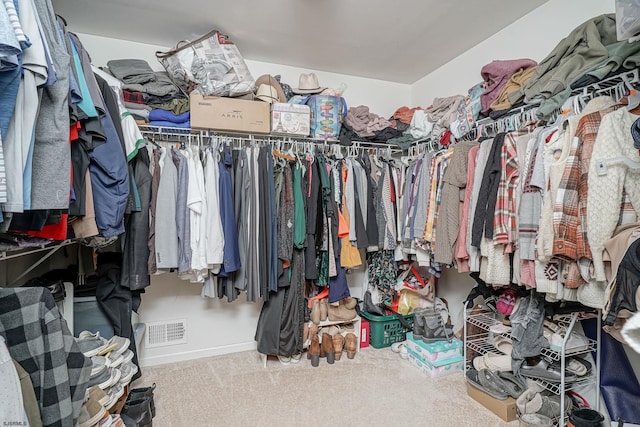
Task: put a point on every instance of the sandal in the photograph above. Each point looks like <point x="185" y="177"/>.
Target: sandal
<point x="513" y="385"/>
<point x="483" y="382"/>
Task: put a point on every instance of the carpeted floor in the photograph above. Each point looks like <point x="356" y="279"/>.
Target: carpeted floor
<point x="377" y="387"/>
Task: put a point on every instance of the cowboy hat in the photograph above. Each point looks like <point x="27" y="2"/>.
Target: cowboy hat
<point x="308" y="84"/>
<point x="267" y="79"/>
<point x="267" y="93"/>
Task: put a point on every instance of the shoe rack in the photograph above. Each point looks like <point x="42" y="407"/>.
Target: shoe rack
<point x="357" y="324"/>
<point x="479" y="341"/>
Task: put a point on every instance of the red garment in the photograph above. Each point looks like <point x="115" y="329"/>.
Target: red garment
<point x="53" y="231"/>
<point x="73" y="131"/>
<point x="405" y="114"/>
<point x="445" y="139"/>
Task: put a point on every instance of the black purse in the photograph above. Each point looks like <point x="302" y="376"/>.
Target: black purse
<point x="381" y="310"/>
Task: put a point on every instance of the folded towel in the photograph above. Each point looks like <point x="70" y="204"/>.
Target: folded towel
<point x="168" y="116"/>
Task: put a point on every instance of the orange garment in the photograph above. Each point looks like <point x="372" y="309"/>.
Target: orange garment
<point x="349" y="254"/>
<point x="405" y="114"/>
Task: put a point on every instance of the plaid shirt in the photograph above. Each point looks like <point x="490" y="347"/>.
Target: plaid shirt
<point x="39" y="340"/>
<point x="504" y="218"/>
<point x="570" y="209"/>
<point x="134" y="97"/>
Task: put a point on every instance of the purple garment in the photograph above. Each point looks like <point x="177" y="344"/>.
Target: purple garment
<point x="496" y="74"/>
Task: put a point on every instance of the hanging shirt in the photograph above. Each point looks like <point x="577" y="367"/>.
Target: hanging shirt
<point x="214" y="234"/>
<point x="231" y="261"/>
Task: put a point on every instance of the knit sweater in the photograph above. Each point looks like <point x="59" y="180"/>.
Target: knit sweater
<point x="455" y="179"/>
<point x="605" y="191"/>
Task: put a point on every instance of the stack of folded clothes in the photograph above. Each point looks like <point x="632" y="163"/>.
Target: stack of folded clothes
<point x="165" y="118"/>
<point x="145" y="90"/>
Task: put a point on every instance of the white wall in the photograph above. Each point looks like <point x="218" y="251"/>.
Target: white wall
<point x="214" y="326"/>
<point x="532" y="36"/>
<point x="382" y="97"/>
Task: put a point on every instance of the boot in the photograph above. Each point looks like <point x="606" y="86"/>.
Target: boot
<point x="315" y="311"/>
<point x="340" y="313"/>
<point x="140" y="411"/>
<point x="314" y="351"/>
<point x="351" y="345"/>
<point x="327" y="348"/>
<point x="313" y="332"/>
<point x="586" y="417"/>
<point x="144" y="393"/>
<point x="305" y="334"/>
<point x="349" y="302"/>
<point x="338" y="344"/>
<point x="324" y="304"/>
<point x="434" y="329"/>
<point x="418" y="323"/>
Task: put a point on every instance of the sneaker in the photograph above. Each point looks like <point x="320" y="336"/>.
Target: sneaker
<point x="105" y="379"/>
<point x="98" y="364"/>
<point x="115" y="359"/>
<point x="91" y="413"/>
<point x="127" y="370"/>
<point x="91" y="345"/>
<point x="117" y="345"/>
<point x="115" y="393"/>
<point x="97" y="394"/>
<point x="127" y="356"/>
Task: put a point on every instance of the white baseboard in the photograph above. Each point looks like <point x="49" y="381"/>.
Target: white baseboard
<point x="196" y="354"/>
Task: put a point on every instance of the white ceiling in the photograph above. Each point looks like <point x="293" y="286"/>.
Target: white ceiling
<point x="399" y="41"/>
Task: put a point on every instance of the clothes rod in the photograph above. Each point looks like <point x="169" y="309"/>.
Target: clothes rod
<point x="156" y="131"/>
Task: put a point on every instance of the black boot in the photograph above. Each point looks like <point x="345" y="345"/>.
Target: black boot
<point x="140" y="411"/>
<point x="144" y="393"/>
<point x="418" y="323"/>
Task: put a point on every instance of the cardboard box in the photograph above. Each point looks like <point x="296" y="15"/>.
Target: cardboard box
<point x="231" y="114"/>
<point x="438" y="369"/>
<point x="290" y="119"/>
<point x="365" y="327"/>
<point x="436" y="351"/>
<point x="505" y="409"/>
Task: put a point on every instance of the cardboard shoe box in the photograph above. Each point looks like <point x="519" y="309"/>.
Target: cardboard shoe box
<point x="290" y="119"/>
<point x="505" y="409"/>
<point x="230" y="114"/>
<point x="435" y="351"/>
<point x="438" y="369"/>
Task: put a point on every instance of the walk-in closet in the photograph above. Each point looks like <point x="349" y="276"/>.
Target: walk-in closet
<point x="319" y="213"/>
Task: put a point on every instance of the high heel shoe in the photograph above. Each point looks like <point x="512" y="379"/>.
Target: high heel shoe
<point x="338" y="344"/>
<point x="351" y="345"/>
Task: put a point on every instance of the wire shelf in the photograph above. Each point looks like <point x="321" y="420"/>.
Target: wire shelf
<point x="555" y="387"/>
<point x="487" y="320"/>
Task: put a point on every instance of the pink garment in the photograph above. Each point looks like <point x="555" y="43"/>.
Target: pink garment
<point x="496" y="74"/>
<point x="528" y="273"/>
<point x="462" y="257"/>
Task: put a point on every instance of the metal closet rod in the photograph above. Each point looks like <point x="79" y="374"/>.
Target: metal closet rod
<point x="203" y="135"/>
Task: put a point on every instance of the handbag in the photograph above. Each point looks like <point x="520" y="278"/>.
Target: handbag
<point x="327" y="113"/>
<point x="381" y="310"/>
<point x="210" y="65"/>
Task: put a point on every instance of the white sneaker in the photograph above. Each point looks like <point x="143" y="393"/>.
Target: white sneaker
<point x="115" y="392"/>
<point x="576" y="342"/>
<point x="127" y="356"/>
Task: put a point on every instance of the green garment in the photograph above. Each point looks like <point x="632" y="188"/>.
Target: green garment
<point x="580" y="51"/>
<point x="178" y="106"/>
<point x="300" y="223"/>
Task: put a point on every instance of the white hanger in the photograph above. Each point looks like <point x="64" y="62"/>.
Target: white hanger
<point x="601" y="164"/>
